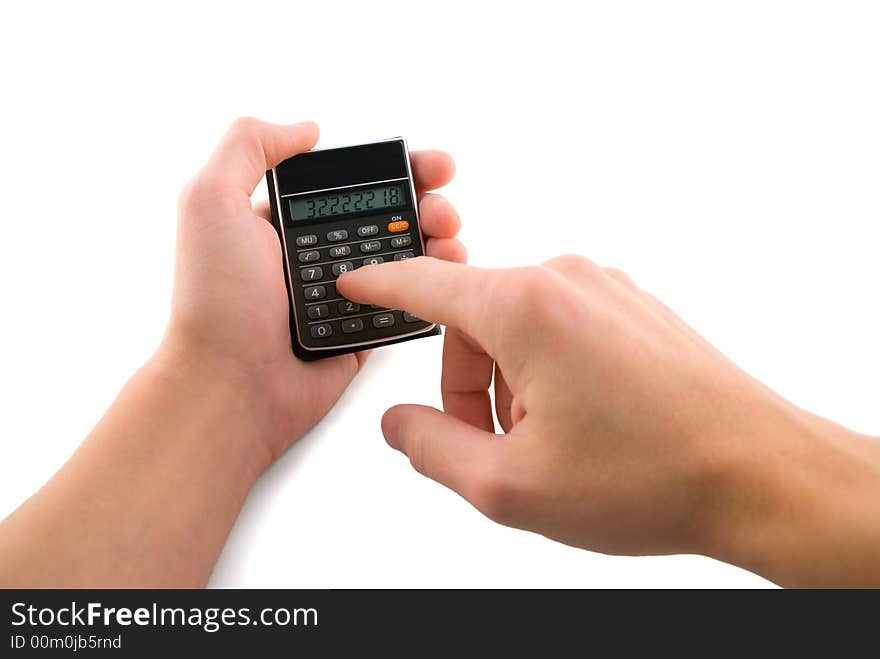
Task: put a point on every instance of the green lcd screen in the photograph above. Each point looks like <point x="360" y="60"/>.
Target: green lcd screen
<point x="345" y="202"/>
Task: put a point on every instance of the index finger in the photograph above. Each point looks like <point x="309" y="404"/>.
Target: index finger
<point x="431" y="169"/>
<point x="438" y="291"/>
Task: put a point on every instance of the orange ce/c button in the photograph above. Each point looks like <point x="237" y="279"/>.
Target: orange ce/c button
<point x="400" y="225"/>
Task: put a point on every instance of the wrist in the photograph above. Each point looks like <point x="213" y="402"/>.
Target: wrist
<point x="797" y="502"/>
<point x="227" y="397"/>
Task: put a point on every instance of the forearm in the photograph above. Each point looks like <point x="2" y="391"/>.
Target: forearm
<point x="802" y="504"/>
<point x="150" y="496"/>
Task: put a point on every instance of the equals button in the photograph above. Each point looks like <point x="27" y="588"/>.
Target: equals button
<point x="383" y="320"/>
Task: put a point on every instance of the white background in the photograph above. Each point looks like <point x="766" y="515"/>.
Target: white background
<point x="725" y="154"/>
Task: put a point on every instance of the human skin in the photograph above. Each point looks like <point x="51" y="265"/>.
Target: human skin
<point x="149" y="498"/>
<point x="624" y="430"/>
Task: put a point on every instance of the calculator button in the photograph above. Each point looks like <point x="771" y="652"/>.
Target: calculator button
<point x="366" y="232"/>
<point x="311" y="274"/>
<point x="308" y="257"/>
<point x="344" y="266"/>
<point x="409" y="318"/>
<point x="318" y="311"/>
<point x="371" y="246"/>
<point x="383" y="320"/>
<point x="341" y="250"/>
<point x="315" y="292"/>
<point x="400" y="241"/>
<point x="347" y="306"/>
<point x="352" y="325"/>
<point x="336" y="236"/>
<point x="403" y="256"/>
<point x="373" y="260"/>
<point x="397" y="227"/>
<point x="321" y="331"/>
<point x="306" y="241"/>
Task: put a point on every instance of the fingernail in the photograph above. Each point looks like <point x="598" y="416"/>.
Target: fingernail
<point x="307" y="125"/>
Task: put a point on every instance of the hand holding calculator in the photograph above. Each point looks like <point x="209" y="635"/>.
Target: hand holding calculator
<point x="336" y="210"/>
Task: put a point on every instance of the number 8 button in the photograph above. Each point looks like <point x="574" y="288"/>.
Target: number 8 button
<point x="345" y="266"/>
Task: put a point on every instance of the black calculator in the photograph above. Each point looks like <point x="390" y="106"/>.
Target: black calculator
<point x="337" y="210"/>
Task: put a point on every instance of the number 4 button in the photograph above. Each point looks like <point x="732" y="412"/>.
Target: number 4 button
<point x="315" y="292"/>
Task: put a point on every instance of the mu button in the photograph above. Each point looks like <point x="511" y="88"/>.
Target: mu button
<point x="397" y="227"/>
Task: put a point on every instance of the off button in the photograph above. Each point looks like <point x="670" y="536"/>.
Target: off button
<point x="397" y="227"/>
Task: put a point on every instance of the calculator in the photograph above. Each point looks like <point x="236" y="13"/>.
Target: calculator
<point x="336" y="210"/>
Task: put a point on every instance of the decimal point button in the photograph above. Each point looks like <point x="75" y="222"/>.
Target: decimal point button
<point x="353" y="325"/>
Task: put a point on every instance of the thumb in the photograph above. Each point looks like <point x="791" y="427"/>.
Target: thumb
<point x="447" y="450"/>
<point x="251" y="146"/>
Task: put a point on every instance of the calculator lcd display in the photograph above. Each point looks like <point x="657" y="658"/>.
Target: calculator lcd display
<point x="344" y="202"/>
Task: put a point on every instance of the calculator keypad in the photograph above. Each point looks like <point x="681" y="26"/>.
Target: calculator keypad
<point x="325" y="253"/>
